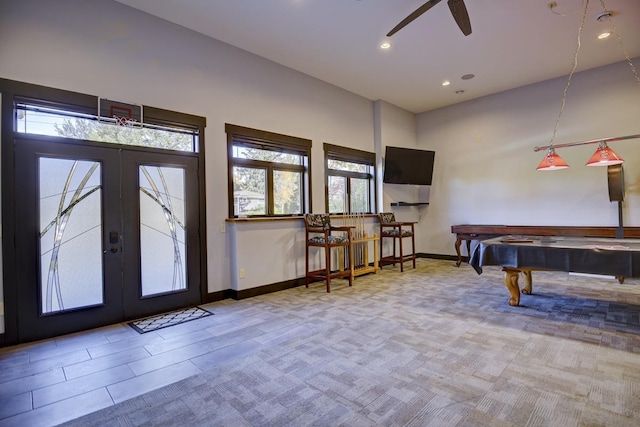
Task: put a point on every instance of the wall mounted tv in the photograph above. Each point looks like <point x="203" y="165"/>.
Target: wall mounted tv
<point x="408" y="166"/>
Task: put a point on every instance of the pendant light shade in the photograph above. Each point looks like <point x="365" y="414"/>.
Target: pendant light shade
<point x="604" y="156"/>
<point x="552" y="162"/>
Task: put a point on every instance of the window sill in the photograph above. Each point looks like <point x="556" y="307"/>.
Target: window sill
<point x="284" y="218"/>
<point x="264" y="219"/>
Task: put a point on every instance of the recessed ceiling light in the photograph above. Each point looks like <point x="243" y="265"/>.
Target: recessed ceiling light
<point x="385" y="45"/>
<point x="446" y="83"/>
<point x="468" y="76"/>
<point x="604" y="35"/>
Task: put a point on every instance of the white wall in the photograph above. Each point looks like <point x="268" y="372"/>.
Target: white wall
<point x="105" y="48"/>
<point x="273" y="252"/>
<point x="396" y="127"/>
<point x="485" y="163"/>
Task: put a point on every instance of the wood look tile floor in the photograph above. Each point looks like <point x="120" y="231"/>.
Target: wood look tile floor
<point x="437" y="345"/>
<point x="57" y="380"/>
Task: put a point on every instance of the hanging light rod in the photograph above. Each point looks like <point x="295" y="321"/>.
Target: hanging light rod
<point x="593" y="141"/>
<point x="603" y="156"/>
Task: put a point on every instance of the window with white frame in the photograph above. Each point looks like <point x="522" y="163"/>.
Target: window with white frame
<point x="350" y="180"/>
<point x="268" y="173"/>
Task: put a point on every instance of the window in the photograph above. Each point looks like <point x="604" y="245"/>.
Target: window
<point x="40" y="119"/>
<point x="350" y="180"/>
<point x="268" y="173"/>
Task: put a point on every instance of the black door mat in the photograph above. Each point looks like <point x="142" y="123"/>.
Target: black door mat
<point x="165" y="320"/>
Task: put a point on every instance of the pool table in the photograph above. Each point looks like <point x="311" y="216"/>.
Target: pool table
<point x="524" y="254"/>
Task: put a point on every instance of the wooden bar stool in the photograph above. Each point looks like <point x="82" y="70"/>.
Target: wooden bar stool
<point x="319" y="234"/>
<point x="396" y="231"/>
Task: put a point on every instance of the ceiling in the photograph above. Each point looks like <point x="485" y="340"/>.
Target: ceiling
<point x="513" y="43"/>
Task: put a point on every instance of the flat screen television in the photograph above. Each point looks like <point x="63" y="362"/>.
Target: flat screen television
<point x="408" y="166"/>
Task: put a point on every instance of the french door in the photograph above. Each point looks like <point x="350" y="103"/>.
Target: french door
<point x="104" y="233"/>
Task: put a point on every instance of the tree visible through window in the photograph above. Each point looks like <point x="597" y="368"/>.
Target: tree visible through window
<point x="53" y="122"/>
<point x="268" y="173"/>
<point x="350" y="180"/>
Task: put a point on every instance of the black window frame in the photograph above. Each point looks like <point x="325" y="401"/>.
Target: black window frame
<point x="351" y="155"/>
<point x="72" y="112"/>
<point x="240" y="136"/>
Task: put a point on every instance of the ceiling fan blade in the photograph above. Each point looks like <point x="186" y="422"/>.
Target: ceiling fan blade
<point x="419" y="11"/>
<point x="459" y="12"/>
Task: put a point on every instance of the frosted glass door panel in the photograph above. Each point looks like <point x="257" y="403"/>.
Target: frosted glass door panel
<point x="70" y="210"/>
<point x="162" y="230"/>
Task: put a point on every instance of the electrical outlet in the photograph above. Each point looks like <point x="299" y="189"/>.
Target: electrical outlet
<point x="242" y="273"/>
<point x="223" y="228"/>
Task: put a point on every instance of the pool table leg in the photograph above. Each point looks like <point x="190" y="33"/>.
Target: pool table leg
<point x="457" y="246"/>
<point x="527" y="288"/>
<point x="511" y="282"/>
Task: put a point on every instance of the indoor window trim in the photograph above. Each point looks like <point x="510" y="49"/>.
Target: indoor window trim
<point x="239" y="136"/>
<point x="350" y="155"/>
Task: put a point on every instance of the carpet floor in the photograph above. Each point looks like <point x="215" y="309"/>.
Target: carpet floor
<point x="433" y="346"/>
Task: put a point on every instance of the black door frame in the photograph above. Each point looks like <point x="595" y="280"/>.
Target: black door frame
<point x="134" y="304"/>
<point x="13" y="92"/>
<point x="120" y="213"/>
<point x="31" y="325"/>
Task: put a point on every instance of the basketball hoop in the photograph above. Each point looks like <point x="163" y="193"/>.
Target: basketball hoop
<point x="124" y="121"/>
<point x="120" y="113"/>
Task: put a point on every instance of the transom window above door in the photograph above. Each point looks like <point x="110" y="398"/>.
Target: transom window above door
<point x="45" y="120"/>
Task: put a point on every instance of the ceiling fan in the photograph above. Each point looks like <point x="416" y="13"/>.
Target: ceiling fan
<point x="458" y="10"/>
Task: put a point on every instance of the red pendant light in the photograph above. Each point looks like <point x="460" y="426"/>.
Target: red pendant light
<point x="604" y="156"/>
<point x="552" y="162"/>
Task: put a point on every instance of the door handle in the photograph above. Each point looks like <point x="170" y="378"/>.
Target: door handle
<point x="114" y="239"/>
